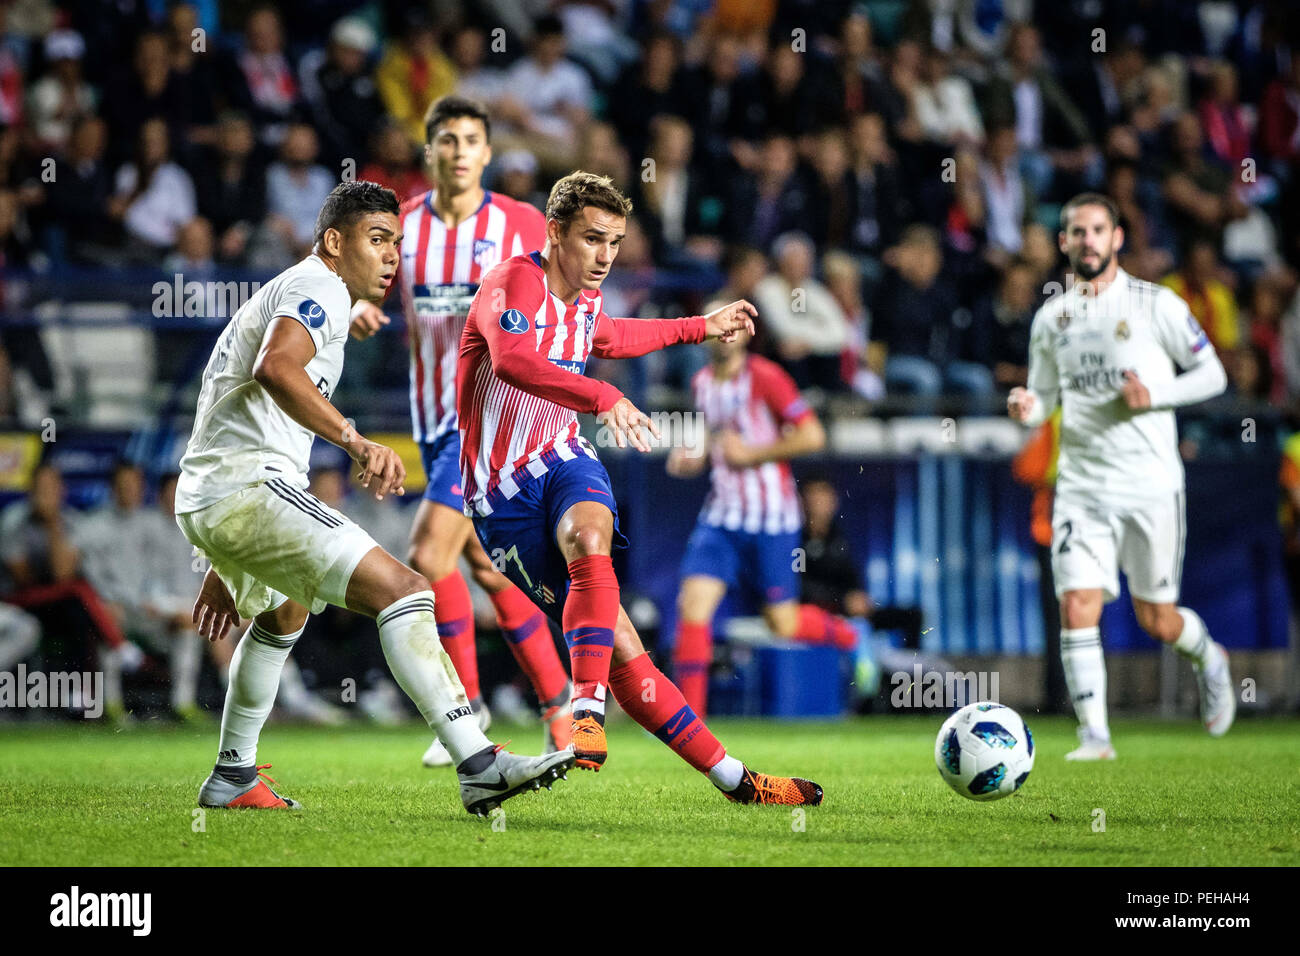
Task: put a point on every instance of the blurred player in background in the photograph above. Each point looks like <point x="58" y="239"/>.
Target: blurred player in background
<point x="540" y="497"/>
<point x="749" y="530"/>
<point x="1106" y="349"/>
<point x="453" y="235"/>
<point x="278" y="553"/>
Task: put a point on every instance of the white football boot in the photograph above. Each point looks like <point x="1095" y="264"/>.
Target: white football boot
<point x="507" y="775"/>
<point x="1092" y="746"/>
<point x="437" y="756"/>
<point x="1218" y="698"/>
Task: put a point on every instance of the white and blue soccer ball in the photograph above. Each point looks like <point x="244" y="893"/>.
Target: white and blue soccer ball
<point x="984" y="751"/>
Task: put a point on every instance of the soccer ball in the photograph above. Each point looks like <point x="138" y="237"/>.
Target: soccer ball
<point x="984" y="751"/>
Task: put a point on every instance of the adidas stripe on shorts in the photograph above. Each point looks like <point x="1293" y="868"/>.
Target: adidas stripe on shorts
<point x="274" y="540"/>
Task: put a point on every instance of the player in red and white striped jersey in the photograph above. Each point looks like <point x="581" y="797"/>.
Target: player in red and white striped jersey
<point x="452" y="236"/>
<point x="541" y="500"/>
<point x="749" y="528"/>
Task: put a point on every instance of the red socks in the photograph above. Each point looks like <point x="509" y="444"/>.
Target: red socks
<point x="590" y="613"/>
<point x="817" y="626"/>
<point x="529" y="639"/>
<point x="455" y="614"/>
<point x="654" y="702"/>
<point x="691" y="658"/>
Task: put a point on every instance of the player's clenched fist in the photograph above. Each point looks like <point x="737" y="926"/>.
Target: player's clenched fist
<point x="1020" y="403"/>
<point x="367" y="319"/>
<point x="382" y="470"/>
<point x="625" y="420"/>
<point x="726" y="322"/>
<point x="1134" y="393"/>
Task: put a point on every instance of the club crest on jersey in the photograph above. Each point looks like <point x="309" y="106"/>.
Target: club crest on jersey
<point x="1121" y="331"/>
<point x="514" y="322"/>
<point x="484" y="252"/>
<point x="311" y="313"/>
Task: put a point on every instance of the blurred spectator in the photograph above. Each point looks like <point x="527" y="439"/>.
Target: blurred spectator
<point x="1279" y="118"/>
<point x="1005" y="318"/>
<point x="38" y="546"/>
<point x="554" y="96"/>
<point x="518" y="177"/>
<point x="74" y="217"/>
<point x="20" y="636"/>
<point x="11" y="80"/>
<point x="798" y="95"/>
<point x="148" y="92"/>
<point x="861" y="72"/>
<point x="1198" y="190"/>
<point x="1050" y="130"/>
<point x="600" y="152"/>
<point x="860" y="365"/>
<point x="944" y="104"/>
<point x="656" y="84"/>
<point x="724" y="104"/>
<point x="1142" y="255"/>
<point x="595" y="39"/>
<point x="194" y="249"/>
<point x="1223" y="118"/>
<point x="260" y="81"/>
<point x="1007" y="197"/>
<point x="832" y="579"/>
<point x="296" y="188"/>
<point x="412" y="74"/>
<point x="915" y="319"/>
<point x="831" y="218"/>
<point x="339" y="90"/>
<point x="808" y="327"/>
<point x="194" y="76"/>
<point x="394" y="165"/>
<point x="474" y="80"/>
<point x="874" y="191"/>
<point x="770" y="199"/>
<point x="124" y="526"/>
<point x="1265" y="327"/>
<point x="669" y="200"/>
<point x="232" y="187"/>
<point x="60" y="97"/>
<point x="153" y="196"/>
<point x="1208" y="298"/>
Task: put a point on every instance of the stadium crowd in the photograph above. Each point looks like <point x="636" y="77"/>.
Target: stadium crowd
<point x="882" y="178"/>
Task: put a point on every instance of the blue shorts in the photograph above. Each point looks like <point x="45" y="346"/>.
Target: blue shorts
<point x="764" y="563"/>
<point x="441" y="459"/>
<point x="519" y="534"/>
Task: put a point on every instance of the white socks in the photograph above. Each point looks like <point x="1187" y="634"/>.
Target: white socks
<point x="254" y="680"/>
<point x="726" y="773"/>
<point x="1085" y="676"/>
<point x="408" y="633"/>
<point x="1195" y="639"/>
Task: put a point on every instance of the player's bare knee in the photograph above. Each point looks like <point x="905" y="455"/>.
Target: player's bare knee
<point x="1080" y="610"/>
<point x="586" y="540"/>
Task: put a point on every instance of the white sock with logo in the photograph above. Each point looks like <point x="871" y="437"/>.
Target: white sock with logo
<point x="254" y="680"/>
<point x="1085" y="677"/>
<point x="1194" y="642"/>
<point x="408" y="633"/>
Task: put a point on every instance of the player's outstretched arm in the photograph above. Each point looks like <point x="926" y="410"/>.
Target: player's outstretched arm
<point x="366" y="319"/>
<point x="281" y="369"/>
<point x="629" y="338"/>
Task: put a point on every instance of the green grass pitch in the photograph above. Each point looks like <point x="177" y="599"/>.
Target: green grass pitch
<point x="89" y="796"/>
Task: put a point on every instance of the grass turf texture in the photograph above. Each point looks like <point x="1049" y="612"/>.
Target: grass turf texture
<point x="85" y="796"/>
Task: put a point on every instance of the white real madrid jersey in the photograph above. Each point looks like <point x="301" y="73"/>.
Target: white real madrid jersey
<point x="1080" y="347"/>
<point x="241" y="436"/>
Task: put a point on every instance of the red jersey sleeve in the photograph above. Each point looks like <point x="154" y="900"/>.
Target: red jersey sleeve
<point x="506" y="307"/>
<point x="527" y="229"/>
<point x="775" y="387"/>
<point x="628" y="338"/>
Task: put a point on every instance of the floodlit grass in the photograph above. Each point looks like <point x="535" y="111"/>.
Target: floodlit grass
<point x="86" y="796"/>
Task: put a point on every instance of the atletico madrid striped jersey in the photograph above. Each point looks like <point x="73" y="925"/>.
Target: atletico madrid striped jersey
<point x="756" y="403"/>
<point x="520" y="381"/>
<point x="440" y="271"/>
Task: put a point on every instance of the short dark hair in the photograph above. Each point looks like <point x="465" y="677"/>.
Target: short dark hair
<point x="349" y="201"/>
<point x="455" y="107"/>
<point x="1090" y="199"/>
<point x="570" y="195"/>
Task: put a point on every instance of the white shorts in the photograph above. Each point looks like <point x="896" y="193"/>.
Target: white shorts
<point x="1143" y="538"/>
<point x="273" y="541"/>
